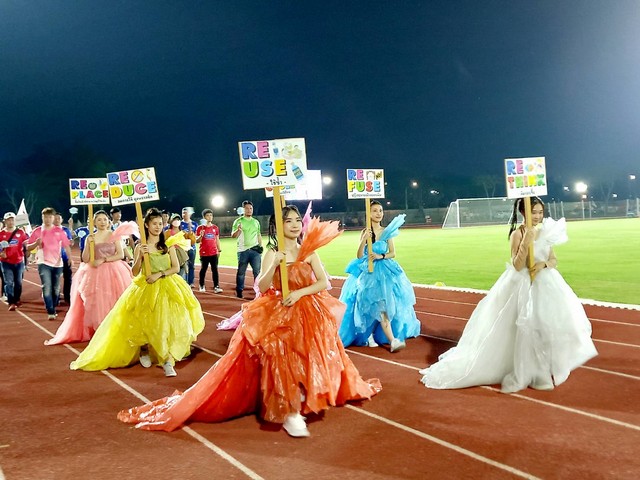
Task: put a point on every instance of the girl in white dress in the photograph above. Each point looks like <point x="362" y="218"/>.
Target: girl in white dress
<point x="524" y="333"/>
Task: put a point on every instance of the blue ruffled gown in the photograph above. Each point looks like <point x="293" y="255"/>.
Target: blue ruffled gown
<point x="368" y="294"/>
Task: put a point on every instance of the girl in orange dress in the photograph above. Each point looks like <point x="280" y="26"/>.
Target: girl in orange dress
<point x="285" y="359"/>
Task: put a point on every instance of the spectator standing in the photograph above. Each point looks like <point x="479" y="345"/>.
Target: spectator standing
<point x="12" y="260"/>
<point x="247" y="230"/>
<point x="208" y="236"/>
<point x="49" y="240"/>
<point x="189" y="228"/>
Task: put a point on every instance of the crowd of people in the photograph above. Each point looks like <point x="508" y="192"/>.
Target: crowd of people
<point x="134" y="302"/>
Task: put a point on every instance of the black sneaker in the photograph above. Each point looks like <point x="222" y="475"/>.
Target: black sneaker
<point x="239" y="295"/>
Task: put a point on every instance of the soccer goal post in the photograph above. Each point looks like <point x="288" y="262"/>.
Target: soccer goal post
<point x="467" y="212"/>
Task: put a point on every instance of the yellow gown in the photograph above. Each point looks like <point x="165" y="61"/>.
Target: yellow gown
<point x="164" y="315"/>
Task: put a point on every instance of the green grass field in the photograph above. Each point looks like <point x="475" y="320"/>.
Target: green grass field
<point x="600" y="261"/>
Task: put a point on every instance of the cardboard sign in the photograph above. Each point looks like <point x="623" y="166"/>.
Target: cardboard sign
<point x="88" y="191"/>
<point x="310" y="188"/>
<point x="272" y="163"/>
<point x="525" y="177"/>
<point x="365" y="183"/>
<point x="133" y="186"/>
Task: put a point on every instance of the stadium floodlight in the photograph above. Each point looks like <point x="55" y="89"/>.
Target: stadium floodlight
<point x="217" y="201"/>
<point x="581" y="187"/>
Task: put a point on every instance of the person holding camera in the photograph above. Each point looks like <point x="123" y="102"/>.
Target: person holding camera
<point x="247" y="230"/>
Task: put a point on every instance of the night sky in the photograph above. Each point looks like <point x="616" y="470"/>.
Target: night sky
<point x="450" y="87"/>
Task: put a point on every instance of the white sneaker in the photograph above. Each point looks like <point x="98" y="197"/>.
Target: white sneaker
<point x="52" y="316"/>
<point x="145" y="360"/>
<point x="545" y="386"/>
<point x="202" y="289"/>
<point x="371" y="342"/>
<point x="217" y="290"/>
<point x="3" y="298"/>
<point x="397" y="345"/>
<point x="169" y="371"/>
<point x="294" y="424"/>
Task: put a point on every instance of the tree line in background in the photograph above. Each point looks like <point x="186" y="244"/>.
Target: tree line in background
<point x="41" y="179"/>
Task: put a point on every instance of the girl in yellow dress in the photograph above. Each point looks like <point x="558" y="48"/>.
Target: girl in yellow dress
<point x="156" y="319"/>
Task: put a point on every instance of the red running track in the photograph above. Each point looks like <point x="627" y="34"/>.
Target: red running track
<point x="60" y="424"/>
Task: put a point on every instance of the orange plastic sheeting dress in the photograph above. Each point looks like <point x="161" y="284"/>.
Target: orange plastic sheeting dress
<point x="276" y="354"/>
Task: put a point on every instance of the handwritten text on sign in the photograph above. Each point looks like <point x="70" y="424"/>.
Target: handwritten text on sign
<point x="271" y="163"/>
<point x="88" y="191"/>
<point x="525" y="177"/>
<point x="133" y="186"/>
<point x="365" y="183"/>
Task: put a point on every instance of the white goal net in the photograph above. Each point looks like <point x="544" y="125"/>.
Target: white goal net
<point x="466" y="212"/>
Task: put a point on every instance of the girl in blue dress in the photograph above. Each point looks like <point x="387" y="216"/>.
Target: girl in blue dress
<point x="379" y="303"/>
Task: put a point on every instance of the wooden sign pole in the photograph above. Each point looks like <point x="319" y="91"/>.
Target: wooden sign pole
<point x="92" y="252"/>
<point x="143" y="238"/>
<point x="528" y="223"/>
<point x="367" y="207"/>
<point x="278" y="203"/>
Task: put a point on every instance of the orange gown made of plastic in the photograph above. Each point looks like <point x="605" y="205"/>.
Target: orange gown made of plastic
<point x="276" y="354"/>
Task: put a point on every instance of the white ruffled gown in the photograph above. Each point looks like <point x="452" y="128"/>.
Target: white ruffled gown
<point x="522" y="333"/>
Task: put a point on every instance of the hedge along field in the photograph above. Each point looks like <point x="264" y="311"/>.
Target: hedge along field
<point x="601" y="260"/>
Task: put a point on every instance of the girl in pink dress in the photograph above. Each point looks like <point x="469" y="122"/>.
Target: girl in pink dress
<point x="96" y="285"/>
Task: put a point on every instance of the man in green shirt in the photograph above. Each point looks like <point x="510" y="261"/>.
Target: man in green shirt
<point x="247" y="230"/>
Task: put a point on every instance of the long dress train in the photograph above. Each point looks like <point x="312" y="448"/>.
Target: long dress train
<point x="276" y="354"/>
<point x="522" y="333"/>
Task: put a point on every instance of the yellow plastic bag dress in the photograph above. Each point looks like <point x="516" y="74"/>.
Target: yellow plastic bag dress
<point x="164" y="315"/>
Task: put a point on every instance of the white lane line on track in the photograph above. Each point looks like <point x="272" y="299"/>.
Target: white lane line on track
<point x="569" y="409"/>
<point x="626" y="324"/>
<point x="602" y="370"/>
<point x="616" y="343"/>
<point x="542" y="402"/>
<point x="204" y="441"/>
<point x="426" y="436"/>
<point x="443" y="443"/>
<point x="552" y="405"/>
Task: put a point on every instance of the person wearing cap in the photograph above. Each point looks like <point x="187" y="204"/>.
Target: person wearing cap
<point x="189" y="228"/>
<point x="247" y="230"/>
<point x="49" y="241"/>
<point x="12" y="259"/>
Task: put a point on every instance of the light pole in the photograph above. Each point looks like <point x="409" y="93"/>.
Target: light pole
<point x="582" y="188"/>
<point x="414" y="184"/>
<point x="632" y="177"/>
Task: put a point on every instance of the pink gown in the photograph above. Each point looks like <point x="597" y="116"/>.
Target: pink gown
<point x="276" y="354"/>
<point x="94" y="292"/>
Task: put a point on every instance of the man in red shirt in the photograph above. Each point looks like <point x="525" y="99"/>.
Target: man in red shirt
<point x="50" y="240"/>
<point x="208" y="236"/>
<point x="12" y="241"/>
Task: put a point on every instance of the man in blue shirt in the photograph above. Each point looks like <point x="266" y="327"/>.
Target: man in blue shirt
<point x="189" y="228"/>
